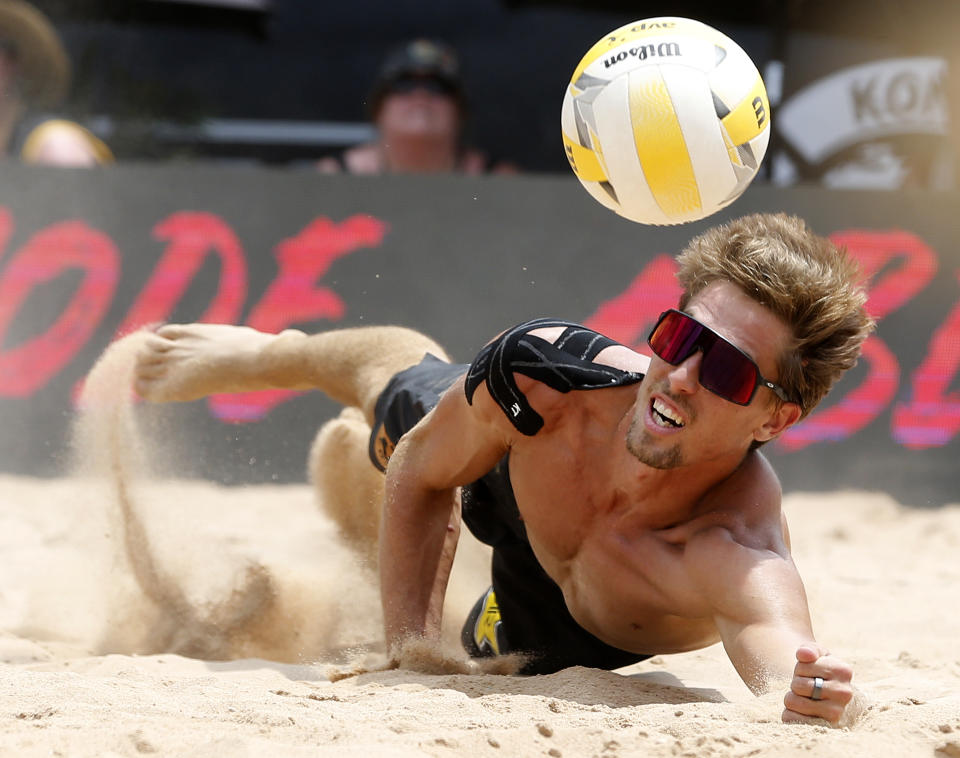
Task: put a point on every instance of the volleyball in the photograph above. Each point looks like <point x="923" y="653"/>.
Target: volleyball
<point x="665" y="121"/>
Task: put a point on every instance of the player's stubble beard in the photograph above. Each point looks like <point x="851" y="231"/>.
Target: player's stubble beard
<point x="659" y="458"/>
<point x="642" y="446"/>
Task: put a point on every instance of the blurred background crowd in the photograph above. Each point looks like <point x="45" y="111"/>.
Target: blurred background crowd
<point x="861" y="89"/>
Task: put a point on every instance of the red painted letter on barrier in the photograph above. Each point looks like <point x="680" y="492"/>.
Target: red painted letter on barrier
<point x="931" y="418"/>
<point x="47" y="255"/>
<point x="6" y="229"/>
<point x="874" y="251"/>
<point x="191" y="236"/>
<point x="630" y="315"/>
<point x="294" y="297"/>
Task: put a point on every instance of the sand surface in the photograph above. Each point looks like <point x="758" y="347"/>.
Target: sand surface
<point x="144" y="615"/>
<point x="91" y="666"/>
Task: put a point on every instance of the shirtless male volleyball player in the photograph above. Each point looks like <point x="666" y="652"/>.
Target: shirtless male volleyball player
<point x="629" y="510"/>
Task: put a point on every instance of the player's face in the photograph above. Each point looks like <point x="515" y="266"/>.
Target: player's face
<point x="677" y="422"/>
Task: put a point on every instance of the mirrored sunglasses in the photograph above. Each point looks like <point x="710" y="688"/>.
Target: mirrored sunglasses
<point x="725" y="370"/>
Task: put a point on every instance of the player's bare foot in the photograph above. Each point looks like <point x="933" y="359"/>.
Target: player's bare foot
<point x="186" y="362"/>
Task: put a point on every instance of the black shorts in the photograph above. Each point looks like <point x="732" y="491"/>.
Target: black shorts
<point x="524" y="610"/>
<point x="406" y="399"/>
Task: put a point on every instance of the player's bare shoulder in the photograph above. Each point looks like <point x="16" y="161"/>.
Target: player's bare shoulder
<point x="739" y="529"/>
<point x="744" y="510"/>
<point x="531" y="369"/>
<point x="613" y="355"/>
<point x="582" y="356"/>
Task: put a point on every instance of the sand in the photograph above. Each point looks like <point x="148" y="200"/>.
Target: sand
<point x="171" y="617"/>
<point x="91" y="667"/>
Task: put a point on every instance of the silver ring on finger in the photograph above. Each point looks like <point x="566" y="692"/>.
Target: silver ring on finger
<point x="817" y="693"/>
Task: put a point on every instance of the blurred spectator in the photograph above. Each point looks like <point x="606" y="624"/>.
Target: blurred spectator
<point x="35" y="74"/>
<point x="419" y="108"/>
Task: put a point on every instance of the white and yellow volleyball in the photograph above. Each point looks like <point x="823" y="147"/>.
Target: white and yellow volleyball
<point x="665" y="121"/>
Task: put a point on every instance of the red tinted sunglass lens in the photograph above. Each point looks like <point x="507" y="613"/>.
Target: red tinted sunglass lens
<point x="675" y="337"/>
<point x="728" y="373"/>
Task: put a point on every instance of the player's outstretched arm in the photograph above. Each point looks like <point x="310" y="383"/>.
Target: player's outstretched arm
<point x="762" y="616"/>
<point x="819" y="686"/>
<point x="455" y="444"/>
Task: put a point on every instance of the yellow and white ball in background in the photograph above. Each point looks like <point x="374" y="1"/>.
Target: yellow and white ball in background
<point x="665" y="121"/>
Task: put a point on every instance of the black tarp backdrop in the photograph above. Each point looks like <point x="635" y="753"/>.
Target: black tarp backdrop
<point x="316" y="61"/>
<point x="140" y="62"/>
<point x="460" y="258"/>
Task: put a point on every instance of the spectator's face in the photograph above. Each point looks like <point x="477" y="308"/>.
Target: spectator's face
<point x="419" y="106"/>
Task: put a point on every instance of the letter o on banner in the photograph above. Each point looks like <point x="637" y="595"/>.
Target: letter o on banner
<point x="26" y="368"/>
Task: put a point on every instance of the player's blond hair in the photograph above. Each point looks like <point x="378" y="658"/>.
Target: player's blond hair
<point x="812" y="285"/>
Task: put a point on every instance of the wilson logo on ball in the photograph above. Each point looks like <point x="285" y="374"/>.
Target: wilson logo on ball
<point x="663" y="50"/>
<point x="665" y="121"/>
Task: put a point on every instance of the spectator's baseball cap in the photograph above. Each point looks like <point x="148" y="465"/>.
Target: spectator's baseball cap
<point x="418" y="62"/>
<point x="42" y="62"/>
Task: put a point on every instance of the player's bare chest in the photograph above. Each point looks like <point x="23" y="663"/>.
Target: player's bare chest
<point x="620" y="579"/>
<point x="564" y="476"/>
<point x="584" y="514"/>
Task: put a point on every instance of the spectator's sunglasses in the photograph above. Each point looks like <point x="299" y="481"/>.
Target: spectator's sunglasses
<point x="408" y="83"/>
<point x="726" y="370"/>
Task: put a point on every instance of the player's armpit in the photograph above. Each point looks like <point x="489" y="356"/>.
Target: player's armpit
<point x="456" y="443"/>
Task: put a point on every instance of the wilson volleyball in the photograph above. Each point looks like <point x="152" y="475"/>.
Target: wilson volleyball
<point x="665" y="121"/>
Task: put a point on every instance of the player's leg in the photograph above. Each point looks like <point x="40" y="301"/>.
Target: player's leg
<point x="352" y="366"/>
<point x="348" y="487"/>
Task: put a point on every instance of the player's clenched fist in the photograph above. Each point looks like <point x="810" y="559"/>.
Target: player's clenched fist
<point x="821" y="689"/>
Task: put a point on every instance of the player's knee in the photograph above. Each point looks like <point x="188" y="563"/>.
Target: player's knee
<point x="339" y="443"/>
<point x="339" y="434"/>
